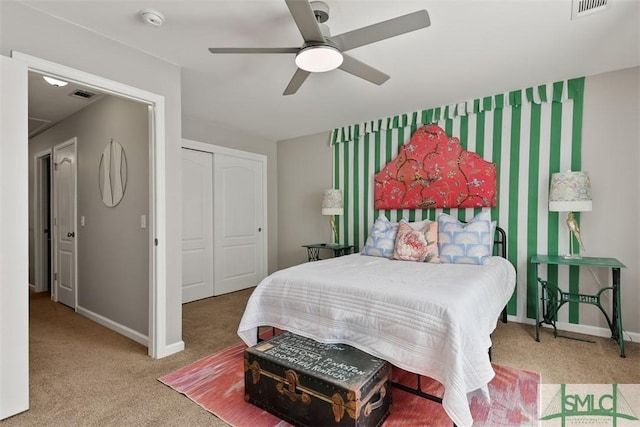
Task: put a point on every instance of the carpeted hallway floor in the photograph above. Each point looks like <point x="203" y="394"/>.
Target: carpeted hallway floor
<point x="82" y="374"/>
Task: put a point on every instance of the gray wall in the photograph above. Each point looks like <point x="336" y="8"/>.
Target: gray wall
<point x="610" y="153"/>
<point x="210" y="132"/>
<point x="304" y="172"/>
<point x="28" y="31"/>
<point x="113" y="249"/>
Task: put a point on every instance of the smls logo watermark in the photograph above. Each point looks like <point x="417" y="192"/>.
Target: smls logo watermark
<point x="590" y="404"/>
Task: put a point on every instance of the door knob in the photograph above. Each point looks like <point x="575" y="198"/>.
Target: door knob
<point x="71" y="234"/>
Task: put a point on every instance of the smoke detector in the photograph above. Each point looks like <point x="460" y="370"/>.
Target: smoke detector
<point x="152" y="17"/>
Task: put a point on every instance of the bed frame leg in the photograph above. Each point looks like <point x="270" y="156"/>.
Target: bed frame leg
<point x="418" y="392"/>
<point x="503" y="317"/>
<point x="273" y="334"/>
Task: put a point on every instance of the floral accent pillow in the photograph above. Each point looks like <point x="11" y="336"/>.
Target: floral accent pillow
<point x="417" y="245"/>
<point x="382" y="238"/>
<point x="470" y="243"/>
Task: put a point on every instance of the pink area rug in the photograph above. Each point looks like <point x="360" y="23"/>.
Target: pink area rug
<point x="216" y="383"/>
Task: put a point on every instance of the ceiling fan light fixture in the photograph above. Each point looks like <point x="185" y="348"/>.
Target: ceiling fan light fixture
<point x="55" y="82"/>
<point x="318" y="59"/>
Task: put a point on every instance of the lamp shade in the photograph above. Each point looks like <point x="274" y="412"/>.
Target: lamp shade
<point x="570" y="192"/>
<point x="332" y="202"/>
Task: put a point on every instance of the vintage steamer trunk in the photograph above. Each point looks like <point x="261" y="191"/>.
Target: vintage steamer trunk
<point x="308" y="383"/>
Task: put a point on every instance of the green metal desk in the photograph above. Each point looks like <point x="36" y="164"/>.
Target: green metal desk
<point x="553" y="297"/>
<point x="313" y="251"/>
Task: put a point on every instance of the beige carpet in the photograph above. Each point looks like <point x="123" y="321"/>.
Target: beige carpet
<point x="83" y="374"/>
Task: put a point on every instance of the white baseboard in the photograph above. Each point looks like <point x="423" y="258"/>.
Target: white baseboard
<point x="121" y="329"/>
<point x="579" y="329"/>
<point x="172" y="349"/>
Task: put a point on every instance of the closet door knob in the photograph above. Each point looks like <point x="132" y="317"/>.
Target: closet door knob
<point x="71" y="234"/>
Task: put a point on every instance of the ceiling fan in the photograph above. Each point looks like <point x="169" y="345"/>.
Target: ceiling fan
<point x="322" y="52"/>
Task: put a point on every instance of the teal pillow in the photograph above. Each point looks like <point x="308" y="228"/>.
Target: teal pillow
<point x="465" y="243"/>
<point x="382" y="238"/>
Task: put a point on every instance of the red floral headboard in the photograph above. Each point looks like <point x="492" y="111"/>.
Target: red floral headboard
<point x="433" y="171"/>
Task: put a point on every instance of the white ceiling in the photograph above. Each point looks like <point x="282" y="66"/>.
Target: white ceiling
<point x="50" y="104"/>
<point x="472" y="48"/>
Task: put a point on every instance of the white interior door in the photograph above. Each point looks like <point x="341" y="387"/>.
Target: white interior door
<point x="64" y="188"/>
<point x="14" y="239"/>
<point x="238" y="230"/>
<point x="197" y="225"/>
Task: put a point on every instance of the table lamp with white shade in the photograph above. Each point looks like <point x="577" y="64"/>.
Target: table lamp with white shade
<point x="570" y="192"/>
<point x="332" y="205"/>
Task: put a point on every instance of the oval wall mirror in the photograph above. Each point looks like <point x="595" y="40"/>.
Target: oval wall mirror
<point x="112" y="174"/>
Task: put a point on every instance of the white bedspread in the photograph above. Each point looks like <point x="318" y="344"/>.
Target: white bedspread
<point x="431" y="319"/>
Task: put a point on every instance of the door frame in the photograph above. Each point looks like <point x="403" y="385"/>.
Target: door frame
<point x="39" y="258"/>
<point x="157" y="338"/>
<point x="216" y="149"/>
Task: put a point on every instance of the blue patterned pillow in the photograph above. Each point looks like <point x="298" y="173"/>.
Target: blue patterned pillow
<point x="382" y="238"/>
<point x="460" y="243"/>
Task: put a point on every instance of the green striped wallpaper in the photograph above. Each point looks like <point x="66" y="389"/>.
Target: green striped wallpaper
<point x="528" y="133"/>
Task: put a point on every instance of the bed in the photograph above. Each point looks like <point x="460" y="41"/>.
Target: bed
<point x="432" y="319"/>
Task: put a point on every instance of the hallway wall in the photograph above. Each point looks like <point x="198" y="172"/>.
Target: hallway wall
<point x="113" y="248"/>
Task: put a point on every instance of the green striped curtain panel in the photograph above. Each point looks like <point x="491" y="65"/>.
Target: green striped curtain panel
<point x="529" y="134"/>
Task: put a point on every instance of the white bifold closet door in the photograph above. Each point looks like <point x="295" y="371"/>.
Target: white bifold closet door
<point x="239" y="251"/>
<point x="197" y="225"/>
<point x="222" y="213"/>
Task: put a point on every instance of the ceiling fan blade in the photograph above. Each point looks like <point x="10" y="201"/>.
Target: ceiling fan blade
<point x="362" y="70"/>
<point x="296" y="81"/>
<point x="382" y="30"/>
<point x="305" y="20"/>
<point x="254" y="49"/>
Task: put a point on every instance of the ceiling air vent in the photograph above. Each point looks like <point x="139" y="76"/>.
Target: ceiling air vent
<point x="580" y="8"/>
<point x="82" y="94"/>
